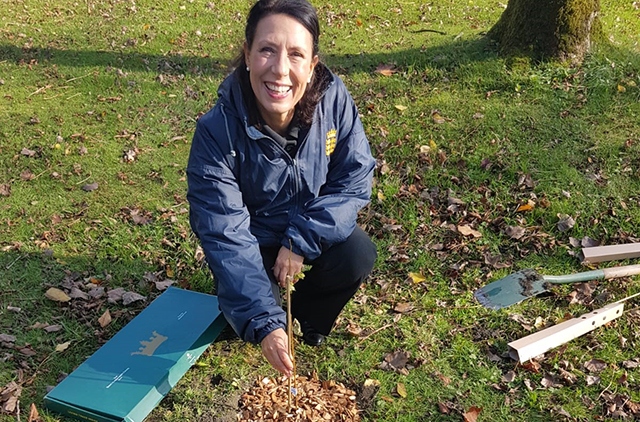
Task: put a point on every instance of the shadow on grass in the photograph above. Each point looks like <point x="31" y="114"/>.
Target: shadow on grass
<point x="445" y="56"/>
<point x="24" y="279"/>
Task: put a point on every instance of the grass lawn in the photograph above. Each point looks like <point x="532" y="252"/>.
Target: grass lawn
<point x="485" y="166"/>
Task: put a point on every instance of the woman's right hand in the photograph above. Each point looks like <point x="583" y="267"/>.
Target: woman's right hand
<point x="275" y="347"/>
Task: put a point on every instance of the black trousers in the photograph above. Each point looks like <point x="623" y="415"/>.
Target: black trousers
<point x="333" y="279"/>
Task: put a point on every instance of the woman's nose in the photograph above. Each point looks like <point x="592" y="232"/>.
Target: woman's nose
<point x="280" y="65"/>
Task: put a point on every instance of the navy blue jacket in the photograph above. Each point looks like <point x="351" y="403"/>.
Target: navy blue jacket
<point x="245" y="191"/>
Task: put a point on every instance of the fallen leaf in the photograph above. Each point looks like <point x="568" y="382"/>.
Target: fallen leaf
<point x="494" y="261"/>
<point x="515" y="232"/>
<point x="130" y="297"/>
<point x="76" y="293"/>
<point x="466" y="230"/>
<point x="564" y="413"/>
<point x="90" y="187"/>
<point x="568" y="377"/>
<point x="532" y="366"/>
<point x="623" y="379"/>
<point x="115" y="295"/>
<point x="10" y="393"/>
<point x="27" y="351"/>
<point x="445" y="380"/>
<point x="509" y="376"/>
<point x="164" y="285"/>
<point x="525" y="207"/>
<point x="369" y="390"/>
<point x="417" y="277"/>
<point x="595" y="365"/>
<point x="96" y="292"/>
<point x="130" y="156"/>
<point x="5" y="190"/>
<point x="105" y="319"/>
<point x="57" y="295"/>
<point x="443" y="408"/>
<point x="34" y="416"/>
<point x="386" y="69"/>
<point x="471" y="415"/>
<point x="401" y="390"/>
<point x="63" y="346"/>
<point x="549" y="381"/>
<point x="436" y="117"/>
<point x="588" y="242"/>
<point x="7" y="338"/>
<point x="592" y="379"/>
<point x="28" y="152"/>
<point x="396" y="361"/>
<point x="403" y="307"/>
<point x="53" y="328"/>
<point x="354" y="330"/>
<point x="565" y="222"/>
<point x="486" y="164"/>
<point x="27" y="175"/>
<point x="401" y="107"/>
<point x="391" y="227"/>
<point x="15" y="309"/>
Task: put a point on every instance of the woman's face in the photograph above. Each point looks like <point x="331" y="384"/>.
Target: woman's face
<point x="280" y="62"/>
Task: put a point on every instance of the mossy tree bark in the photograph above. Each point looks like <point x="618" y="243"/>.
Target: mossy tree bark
<point x="547" y="29"/>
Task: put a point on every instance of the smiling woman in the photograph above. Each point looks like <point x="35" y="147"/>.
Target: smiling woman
<point x="278" y="171"/>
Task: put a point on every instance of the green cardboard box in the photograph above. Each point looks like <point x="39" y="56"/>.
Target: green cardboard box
<point x="129" y="375"/>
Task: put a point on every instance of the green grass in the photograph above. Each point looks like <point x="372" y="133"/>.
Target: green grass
<point x="84" y="84"/>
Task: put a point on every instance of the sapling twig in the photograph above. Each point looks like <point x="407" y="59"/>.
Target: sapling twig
<point x="289" y="288"/>
<point x="290" y="334"/>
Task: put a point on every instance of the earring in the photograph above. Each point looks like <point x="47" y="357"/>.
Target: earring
<point x="247" y="68"/>
<point x="310" y="76"/>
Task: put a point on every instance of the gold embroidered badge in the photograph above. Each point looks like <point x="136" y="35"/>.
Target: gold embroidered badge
<point x="330" y="144"/>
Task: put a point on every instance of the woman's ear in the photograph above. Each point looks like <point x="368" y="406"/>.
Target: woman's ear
<point x="314" y="62"/>
<point x="245" y="50"/>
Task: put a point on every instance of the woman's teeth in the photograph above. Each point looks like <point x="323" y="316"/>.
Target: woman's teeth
<point x="280" y="89"/>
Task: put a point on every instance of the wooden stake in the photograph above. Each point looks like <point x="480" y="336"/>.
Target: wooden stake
<point x="611" y="252"/>
<point x="537" y="343"/>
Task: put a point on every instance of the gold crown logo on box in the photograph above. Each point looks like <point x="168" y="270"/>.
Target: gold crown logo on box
<point x="149" y="347"/>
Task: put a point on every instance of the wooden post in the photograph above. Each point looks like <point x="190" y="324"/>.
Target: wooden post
<point x="611" y="252"/>
<point x="537" y="343"/>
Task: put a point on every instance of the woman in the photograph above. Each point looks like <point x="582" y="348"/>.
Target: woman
<point x="277" y="172"/>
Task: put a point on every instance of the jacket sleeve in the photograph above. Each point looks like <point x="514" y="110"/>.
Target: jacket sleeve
<point x="221" y="222"/>
<point x="331" y="217"/>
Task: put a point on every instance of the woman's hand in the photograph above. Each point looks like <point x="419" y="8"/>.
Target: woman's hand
<point x="275" y="347"/>
<point x="287" y="264"/>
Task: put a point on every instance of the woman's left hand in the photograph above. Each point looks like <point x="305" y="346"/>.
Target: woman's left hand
<point x="287" y="264"/>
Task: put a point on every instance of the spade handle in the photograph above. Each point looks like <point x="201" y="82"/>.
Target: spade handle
<point x="604" y="274"/>
<point x="617" y="272"/>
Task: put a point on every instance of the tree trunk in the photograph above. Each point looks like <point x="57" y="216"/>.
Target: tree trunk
<point x="547" y="29"/>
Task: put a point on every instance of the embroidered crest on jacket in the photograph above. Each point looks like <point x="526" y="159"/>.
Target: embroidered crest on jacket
<point x="330" y="143"/>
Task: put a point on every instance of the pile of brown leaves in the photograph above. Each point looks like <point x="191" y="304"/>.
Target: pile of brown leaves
<point x="311" y="400"/>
